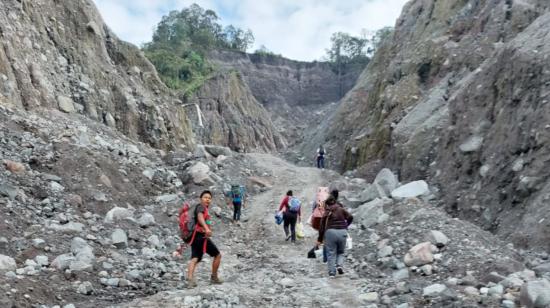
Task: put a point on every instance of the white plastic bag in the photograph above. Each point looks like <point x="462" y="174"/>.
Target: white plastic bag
<point x="349" y="242"/>
<point x="299" y="230"/>
<point x="319" y="252"/>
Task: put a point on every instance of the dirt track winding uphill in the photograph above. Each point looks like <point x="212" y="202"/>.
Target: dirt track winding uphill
<point x="259" y="267"/>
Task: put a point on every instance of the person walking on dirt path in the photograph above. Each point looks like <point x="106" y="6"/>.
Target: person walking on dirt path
<point x="237" y="195"/>
<point x="202" y="243"/>
<point x="334" y="233"/>
<point x="321" y="157"/>
<point x="290" y="217"/>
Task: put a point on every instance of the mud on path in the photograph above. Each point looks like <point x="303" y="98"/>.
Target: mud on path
<point x="259" y="267"/>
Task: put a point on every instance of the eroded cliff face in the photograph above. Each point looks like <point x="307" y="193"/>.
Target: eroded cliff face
<point x="60" y="55"/>
<point x="458" y="95"/>
<point x="233" y="117"/>
<point x="297" y="95"/>
<point x="277" y="81"/>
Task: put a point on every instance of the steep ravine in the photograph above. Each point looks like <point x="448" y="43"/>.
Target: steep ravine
<point x="457" y="96"/>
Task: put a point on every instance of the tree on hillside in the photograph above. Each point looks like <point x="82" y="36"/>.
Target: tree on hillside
<point x="377" y="39"/>
<point x="182" y="39"/>
<point x="238" y="39"/>
<point x="346" y="50"/>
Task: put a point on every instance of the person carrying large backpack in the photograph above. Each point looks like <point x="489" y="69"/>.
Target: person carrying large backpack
<point x="200" y="241"/>
<point x="334" y="233"/>
<point x="292" y="213"/>
<point x="237" y="195"/>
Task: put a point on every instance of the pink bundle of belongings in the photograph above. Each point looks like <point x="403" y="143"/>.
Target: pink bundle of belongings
<point x="319" y="210"/>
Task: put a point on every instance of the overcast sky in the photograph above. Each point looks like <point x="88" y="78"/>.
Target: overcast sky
<point x="297" y="29"/>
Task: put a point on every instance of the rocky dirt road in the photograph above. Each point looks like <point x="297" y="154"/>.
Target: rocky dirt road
<point x="259" y="267"/>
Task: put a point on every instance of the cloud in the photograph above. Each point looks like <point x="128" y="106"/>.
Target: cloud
<point x="298" y="30"/>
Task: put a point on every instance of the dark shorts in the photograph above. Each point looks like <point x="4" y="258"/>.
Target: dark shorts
<point x="197" y="247"/>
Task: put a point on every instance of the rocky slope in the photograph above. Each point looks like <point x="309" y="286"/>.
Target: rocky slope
<point x="458" y="95"/>
<point x="101" y="234"/>
<point x="232" y="116"/>
<point x="60" y="55"/>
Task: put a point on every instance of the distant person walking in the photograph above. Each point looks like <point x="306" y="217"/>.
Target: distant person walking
<point x="202" y="243"/>
<point x="333" y="233"/>
<point x="292" y="213"/>
<point x="321" y="157"/>
<point x="237" y="195"/>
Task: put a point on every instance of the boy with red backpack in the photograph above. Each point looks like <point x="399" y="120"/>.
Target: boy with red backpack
<point x="196" y="232"/>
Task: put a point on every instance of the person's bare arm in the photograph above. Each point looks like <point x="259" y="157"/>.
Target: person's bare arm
<point x="202" y="223"/>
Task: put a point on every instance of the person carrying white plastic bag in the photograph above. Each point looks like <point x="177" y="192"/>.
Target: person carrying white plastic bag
<point x="333" y="232"/>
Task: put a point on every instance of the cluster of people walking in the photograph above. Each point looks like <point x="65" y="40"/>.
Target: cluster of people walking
<point x="328" y="217"/>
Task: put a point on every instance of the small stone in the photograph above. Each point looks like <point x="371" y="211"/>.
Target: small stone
<point x="472" y="144"/>
<point x="38" y="243"/>
<point x="7" y="264"/>
<point x="119" y="238"/>
<point x="287" y="282"/>
<point x="14" y="167"/>
<point x="434" y="290"/>
<point x="42" y="260"/>
<point x="56" y="187"/>
<point x="508" y="304"/>
<point x="438" y="238"/>
<point x="370" y="297"/>
<point x="471" y="290"/>
<point x="65" y="104"/>
<point x="85" y="288"/>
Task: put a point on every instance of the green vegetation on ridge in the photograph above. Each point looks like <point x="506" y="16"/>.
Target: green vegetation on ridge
<point x="181" y="41"/>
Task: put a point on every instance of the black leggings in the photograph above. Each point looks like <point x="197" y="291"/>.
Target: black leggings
<point x="237" y="211"/>
<point x="290" y="220"/>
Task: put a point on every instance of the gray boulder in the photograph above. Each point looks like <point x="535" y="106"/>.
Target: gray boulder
<point x="410" y="190"/>
<point x="119" y="238"/>
<point x="85" y="288"/>
<point x="535" y="294"/>
<point x="386" y="182"/>
<point x="65" y="104"/>
<point x="368" y="213"/>
<point x="71" y="227"/>
<point x="419" y="255"/>
<point x="216" y="151"/>
<point x="199" y="173"/>
<point x="8" y="191"/>
<point x="472" y="144"/>
<point x="438" y="238"/>
<point x="62" y="262"/>
<point x="82" y="251"/>
<point x="7" y="264"/>
<point x="542" y="269"/>
<point x="146" y="220"/>
<point x="118" y="213"/>
<point x="434" y="290"/>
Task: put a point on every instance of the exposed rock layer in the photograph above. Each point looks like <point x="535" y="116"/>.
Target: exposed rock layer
<point x="59" y="54"/>
<point x="459" y="95"/>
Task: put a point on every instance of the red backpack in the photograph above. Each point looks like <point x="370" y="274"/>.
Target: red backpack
<point x="188" y="222"/>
